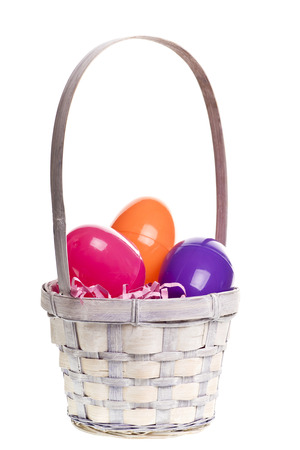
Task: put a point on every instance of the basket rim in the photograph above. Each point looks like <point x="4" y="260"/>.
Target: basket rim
<point x="141" y="311"/>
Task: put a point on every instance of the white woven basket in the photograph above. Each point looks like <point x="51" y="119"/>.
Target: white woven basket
<point x="138" y="368"/>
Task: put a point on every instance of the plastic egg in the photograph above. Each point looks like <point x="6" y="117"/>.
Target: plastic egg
<point x="99" y="255"/>
<point x="200" y="265"/>
<point x="149" y="225"/>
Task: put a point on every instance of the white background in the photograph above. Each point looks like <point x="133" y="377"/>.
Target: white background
<point x="138" y="127"/>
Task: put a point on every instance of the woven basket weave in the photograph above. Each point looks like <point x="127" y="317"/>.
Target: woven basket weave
<point x="138" y="368"/>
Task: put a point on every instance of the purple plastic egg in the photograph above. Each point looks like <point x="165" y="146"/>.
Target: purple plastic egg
<point x="200" y="265"/>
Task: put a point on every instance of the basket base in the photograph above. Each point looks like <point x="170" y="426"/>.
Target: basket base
<point x="136" y="434"/>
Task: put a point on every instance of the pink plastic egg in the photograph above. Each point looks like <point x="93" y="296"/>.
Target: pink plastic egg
<point x="99" y="255"/>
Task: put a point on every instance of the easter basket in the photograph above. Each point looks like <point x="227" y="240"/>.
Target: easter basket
<point x="135" y="367"/>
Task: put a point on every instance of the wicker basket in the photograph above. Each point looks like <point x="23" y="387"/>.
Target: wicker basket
<point x="138" y="368"/>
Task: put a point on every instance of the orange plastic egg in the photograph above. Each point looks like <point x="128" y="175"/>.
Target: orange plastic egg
<point x="149" y="225"/>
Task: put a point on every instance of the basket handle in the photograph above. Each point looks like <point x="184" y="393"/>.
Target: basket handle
<point x="58" y="210"/>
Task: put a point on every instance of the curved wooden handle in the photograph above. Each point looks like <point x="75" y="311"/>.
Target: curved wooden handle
<point x="58" y="210"/>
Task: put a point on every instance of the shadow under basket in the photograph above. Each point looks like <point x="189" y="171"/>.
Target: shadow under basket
<point x="138" y="367"/>
<point x="141" y="367"/>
